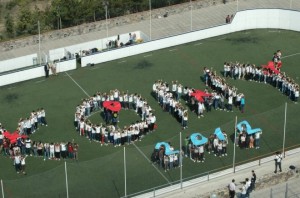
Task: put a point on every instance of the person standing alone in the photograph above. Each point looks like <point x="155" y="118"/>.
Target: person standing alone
<point x="278" y="159"/>
<point x="46" y="68"/>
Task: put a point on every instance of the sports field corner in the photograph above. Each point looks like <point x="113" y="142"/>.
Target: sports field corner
<point x="100" y="169"/>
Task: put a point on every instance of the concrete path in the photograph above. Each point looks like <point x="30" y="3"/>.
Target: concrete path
<point x="263" y="171"/>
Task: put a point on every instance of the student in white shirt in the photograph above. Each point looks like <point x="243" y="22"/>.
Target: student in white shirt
<point x="17" y="163"/>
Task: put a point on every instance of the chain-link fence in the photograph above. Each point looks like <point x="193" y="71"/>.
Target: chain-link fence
<point x="287" y="189"/>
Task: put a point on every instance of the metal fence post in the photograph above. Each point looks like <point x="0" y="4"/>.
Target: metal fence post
<point x="271" y="193"/>
<point x="208" y="176"/>
<point x="286" y="190"/>
<point x="154" y="192"/>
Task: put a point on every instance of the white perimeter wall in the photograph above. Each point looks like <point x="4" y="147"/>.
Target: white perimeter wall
<point x="244" y="20"/>
<point x="17" y="63"/>
<point x="100" y="44"/>
<point x="35" y="73"/>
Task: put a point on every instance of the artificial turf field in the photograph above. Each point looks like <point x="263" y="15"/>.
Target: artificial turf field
<point x="100" y="170"/>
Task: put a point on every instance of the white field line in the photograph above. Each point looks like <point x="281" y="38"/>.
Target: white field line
<point x="171" y="50"/>
<point x="11" y="88"/>
<point x="198" y="44"/>
<point x="147" y="55"/>
<point x="290" y="55"/>
<point x="274" y="31"/>
<point x="124" y="61"/>
<point x="39" y="81"/>
<point x="221" y="38"/>
<point x="93" y="68"/>
<point x="151" y="163"/>
<point x="78" y="85"/>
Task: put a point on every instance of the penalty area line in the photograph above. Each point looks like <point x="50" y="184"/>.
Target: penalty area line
<point x="151" y="163"/>
<point x="78" y="85"/>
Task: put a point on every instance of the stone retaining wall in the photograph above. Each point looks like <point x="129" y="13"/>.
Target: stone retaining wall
<point x="101" y="26"/>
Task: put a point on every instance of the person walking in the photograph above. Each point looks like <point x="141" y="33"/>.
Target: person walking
<point x="231" y="188"/>
<point x="278" y="159"/>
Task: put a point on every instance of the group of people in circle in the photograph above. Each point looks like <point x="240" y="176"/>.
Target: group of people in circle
<point x="110" y="132"/>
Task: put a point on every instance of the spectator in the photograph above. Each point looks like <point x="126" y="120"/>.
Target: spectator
<point x="46" y="68"/>
<point x="248" y="187"/>
<point x="244" y="191"/>
<point x="227" y="20"/>
<point x="253" y="180"/>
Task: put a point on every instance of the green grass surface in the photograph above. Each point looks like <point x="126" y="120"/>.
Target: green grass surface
<point x="100" y="170"/>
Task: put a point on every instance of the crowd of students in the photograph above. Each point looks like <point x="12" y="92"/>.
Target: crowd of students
<point x="27" y="147"/>
<point x="272" y="76"/>
<point x="29" y="125"/>
<point x="222" y="91"/>
<point x="245" y="141"/>
<point x="169" y="98"/>
<point x="214" y="145"/>
<point x="23" y="146"/>
<point x="170" y="95"/>
<point x="110" y="132"/>
<point x="167" y="162"/>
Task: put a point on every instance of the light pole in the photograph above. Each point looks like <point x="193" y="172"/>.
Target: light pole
<point x="105" y="4"/>
<point x="150" y="19"/>
<point x="191" y="15"/>
<point x="59" y="18"/>
<point x="39" y="30"/>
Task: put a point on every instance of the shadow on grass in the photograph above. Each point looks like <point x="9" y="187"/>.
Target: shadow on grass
<point x="9" y="98"/>
<point x="143" y="64"/>
<point x="243" y="40"/>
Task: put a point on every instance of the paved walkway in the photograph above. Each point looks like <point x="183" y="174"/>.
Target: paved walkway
<point x="265" y="169"/>
<point x="162" y="27"/>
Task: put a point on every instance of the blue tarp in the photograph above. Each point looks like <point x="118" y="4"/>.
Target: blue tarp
<point x="219" y="134"/>
<point x="198" y="139"/>
<point x="168" y="151"/>
<point x="249" y="130"/>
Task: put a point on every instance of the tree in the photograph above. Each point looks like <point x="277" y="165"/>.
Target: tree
<point x="9" y="26"/>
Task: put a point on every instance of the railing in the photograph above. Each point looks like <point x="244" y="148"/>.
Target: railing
<point x="217" y="173"/>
